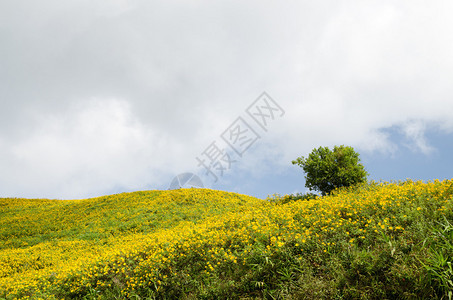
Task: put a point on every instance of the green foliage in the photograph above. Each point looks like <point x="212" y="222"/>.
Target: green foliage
<point x="440" y="258"/>
<point x="327" y="170"/>
<point x="278" y="199"/>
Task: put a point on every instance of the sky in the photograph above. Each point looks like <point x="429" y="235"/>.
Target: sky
<point x="105" y="97"/>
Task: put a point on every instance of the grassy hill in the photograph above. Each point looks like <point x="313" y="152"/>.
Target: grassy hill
<point x="377" y="241"/>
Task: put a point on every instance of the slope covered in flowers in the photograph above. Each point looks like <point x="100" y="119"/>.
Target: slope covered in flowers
<point x="376" y="241"/>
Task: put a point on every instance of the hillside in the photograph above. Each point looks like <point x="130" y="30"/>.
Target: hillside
<point x="387" y="240"/>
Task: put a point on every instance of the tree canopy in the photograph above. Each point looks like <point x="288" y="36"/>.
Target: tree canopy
<point x="328" y="169"/>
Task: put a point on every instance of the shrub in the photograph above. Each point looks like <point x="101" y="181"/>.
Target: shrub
<point x="276" y="198"/>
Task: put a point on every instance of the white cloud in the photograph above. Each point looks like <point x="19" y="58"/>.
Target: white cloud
<point x="414" y="130"/>
<point x="87" y="150"/>
<point x="102" y="95"/>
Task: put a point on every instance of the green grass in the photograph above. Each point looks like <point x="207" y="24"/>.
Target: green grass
<point x="377" y="241"/>
<point x="28" y="222"/>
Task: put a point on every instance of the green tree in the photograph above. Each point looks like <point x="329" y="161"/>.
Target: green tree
<point x="327" y="170"/>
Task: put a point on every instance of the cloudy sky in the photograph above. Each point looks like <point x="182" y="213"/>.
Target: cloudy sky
<point x="111" y="96"/>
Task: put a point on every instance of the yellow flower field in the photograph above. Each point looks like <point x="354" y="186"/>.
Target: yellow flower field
<point x="192" y="242"/>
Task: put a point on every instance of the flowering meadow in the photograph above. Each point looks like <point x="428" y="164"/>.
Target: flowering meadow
<point x="375" y="241"/>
